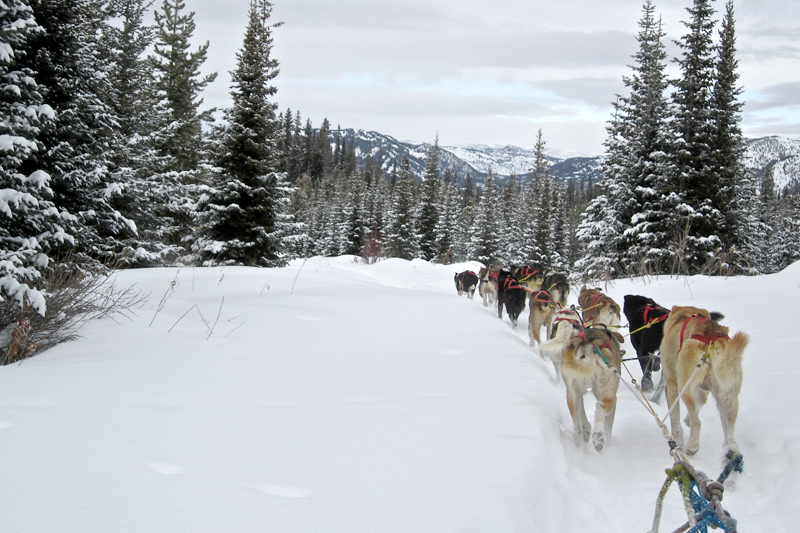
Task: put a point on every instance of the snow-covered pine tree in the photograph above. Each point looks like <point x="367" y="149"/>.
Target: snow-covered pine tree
<point x="449" y="220"/>
<point x="400" y="234"/>
<point x="146" y="196"/>
<point x="695" y="125"/>
<point x="485" y="244"/>
<point x="640" y="168"/>
<point x="240" y="212"/>
<point x="427" y="210"/>
<point x="541" y="208"/>
<point x="71" y="73"/>
<point x="30" y="225"/>
<point x="728" y="149"/>
<point x="178" y="83"/>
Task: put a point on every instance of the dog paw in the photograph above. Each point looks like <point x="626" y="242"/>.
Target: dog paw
<point x="599" y="441"/>
<point x="647" y="384"/>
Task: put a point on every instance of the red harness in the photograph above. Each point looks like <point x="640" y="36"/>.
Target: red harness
<point x="547" y="298"/>
<point x="462" y="276"/>
<point x="527" y="273"/>
<point x="567" y="315"/>
<point x="607" y="346"/>
<point x="493" y="274"/>
<point x="705" y="339"/>
<point x="511" y="283"/>
<point x="660" y="318"/>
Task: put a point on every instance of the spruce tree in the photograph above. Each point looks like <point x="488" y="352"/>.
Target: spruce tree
<point x="485" y="244"/>
<point x="428" y="212"/>
<point x="178" y="84"/>
<point x="728" y="145"/>
<point x="30" y="225"/>
<point x="71" y="70"/>
<point x="241" y="212"/>
<point x="402" y="239"/>
<point x="698" y="181"/>
<point x="642" y="190"/>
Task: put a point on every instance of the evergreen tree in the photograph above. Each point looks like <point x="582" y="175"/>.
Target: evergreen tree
<point x="428" y="213"/>
<point x="71" y="70"/>
<point x="698" y="181"/>
<point x="30" y="225"/>
<point x="149" y="198"/>
<point x="449" y="221"/>
<point x="642" y="190"/>
<point x="402" y="239"/>
<point x="178" y="84"/>
<point x="728" y="144"/>
<point x="241" y="212"/>
<point x="485" y="244"/>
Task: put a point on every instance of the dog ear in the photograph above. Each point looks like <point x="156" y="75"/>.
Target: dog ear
<point x="618" y="336"/>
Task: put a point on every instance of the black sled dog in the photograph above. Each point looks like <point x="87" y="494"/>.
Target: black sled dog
<point x="641" y="311"/>
<point x="466" y="282"/>
<point x="511" y="295"/>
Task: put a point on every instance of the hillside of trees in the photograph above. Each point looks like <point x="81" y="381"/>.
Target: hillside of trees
<point x="110" y="160"/>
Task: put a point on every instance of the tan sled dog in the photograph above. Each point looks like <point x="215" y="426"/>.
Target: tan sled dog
<point x="598" y="308"/>
<point x="542" y="308"/>
<point x="590" y="359"/>
<point x="566" y="324"/>
<point x="697" y="356"/>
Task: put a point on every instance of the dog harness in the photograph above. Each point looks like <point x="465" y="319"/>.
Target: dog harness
<point x="527" y="273"/>
<point x="705" y="339"/>
<point x="660" y="318"/>
<point x="543" y="297"/>
<point x="607" y="346"/>
<point x="461" y="278"/>
<point x="511" y="283"/>
<point x="570" y="316"/>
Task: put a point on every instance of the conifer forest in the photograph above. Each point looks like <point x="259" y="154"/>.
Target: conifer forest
<point x="110" y="159"/>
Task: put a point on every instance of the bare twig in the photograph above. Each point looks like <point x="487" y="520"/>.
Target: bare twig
<point x="234" y="329"/>
<point x="181" y="318"/>
<point x="166" y="296"/>
<point x="219" y="312"/>
<point x="298" y="275"/>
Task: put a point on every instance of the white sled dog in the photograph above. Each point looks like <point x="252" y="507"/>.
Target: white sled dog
<point x="488" y="284"/>
<point x="697" y="356"/>
<point x="566" y="324"/>
<point x="590" y="359"/>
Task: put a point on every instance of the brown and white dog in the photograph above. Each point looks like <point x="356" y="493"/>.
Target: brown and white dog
<point x="566" y="324"/>
<point x="528" y="276"/>
<point x="591" y="360"/>
<point x="542" y="308"/>
<point x="488" y="284"/>
<point x="698" y="356"/>
<point x="557" y="285"/>
<point x="598" y="308"/>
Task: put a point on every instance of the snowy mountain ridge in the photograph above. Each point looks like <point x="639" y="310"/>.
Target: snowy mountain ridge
<point x="782" y="153"/>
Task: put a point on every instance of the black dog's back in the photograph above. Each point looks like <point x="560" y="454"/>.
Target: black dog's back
<point x="509" y="295"/>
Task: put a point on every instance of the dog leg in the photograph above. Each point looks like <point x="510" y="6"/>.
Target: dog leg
<point x="673" y="403"/>
<point x="603" y="422"/>
<point x="580" y="424"/>
<point x="598" y="439"/>
<point x="693" y="404"/>
<point x="728" y="407"/>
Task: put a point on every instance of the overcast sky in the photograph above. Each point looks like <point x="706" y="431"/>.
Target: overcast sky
<point x="489" y="71"/>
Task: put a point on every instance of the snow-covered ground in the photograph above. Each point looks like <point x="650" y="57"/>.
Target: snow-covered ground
<point x="341" y="397"/>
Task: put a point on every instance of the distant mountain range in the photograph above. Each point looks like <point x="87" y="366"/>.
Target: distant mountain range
<point x="781" y="152"/>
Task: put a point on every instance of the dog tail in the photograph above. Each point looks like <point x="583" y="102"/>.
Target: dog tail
<point x="727" y="361"/>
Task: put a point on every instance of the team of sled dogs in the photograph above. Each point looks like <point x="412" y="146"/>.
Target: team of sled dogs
<point x="689" y="345"/>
